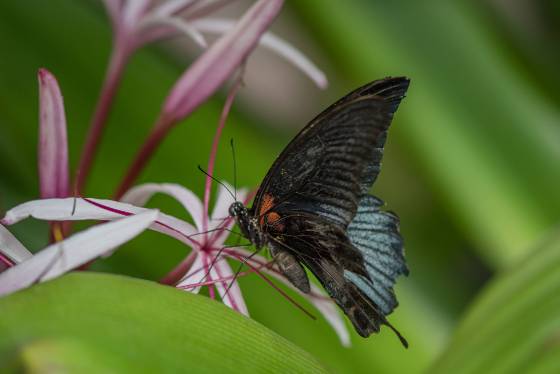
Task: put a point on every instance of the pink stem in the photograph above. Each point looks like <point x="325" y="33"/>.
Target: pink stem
<point x="144" y="154"/>
<point x="214" y="150"/>
<point x="180" y="270"/>
<point x="118" y="60"/>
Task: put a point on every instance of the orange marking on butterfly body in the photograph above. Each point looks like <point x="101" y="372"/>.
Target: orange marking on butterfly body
<point x="267" y="216"/>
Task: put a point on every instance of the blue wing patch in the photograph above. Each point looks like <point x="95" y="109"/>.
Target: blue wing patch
<point x="375" y="234"/>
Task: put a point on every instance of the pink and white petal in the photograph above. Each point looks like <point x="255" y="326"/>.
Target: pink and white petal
<point x="194" y="276"/>
<point x="140" y="195"/>
<point x="234" y="298"/>
<point x="76" y="250"/>
<point x="318" y="297"/>
<point x="53" y="143"/>
<point x="219" y="61"/>
<point x="78" y="209"/>
<point x="272" y="42"/>
<point x="151" y="26"/>
<point x="11" y="248"/>
<point x="132" y="12"/>
<point x="171" y="7"/>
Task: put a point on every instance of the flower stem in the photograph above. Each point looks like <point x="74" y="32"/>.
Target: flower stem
<point x="215" y="142"/>
<point x="113" y="77"/>
<point x="159" y="131"/>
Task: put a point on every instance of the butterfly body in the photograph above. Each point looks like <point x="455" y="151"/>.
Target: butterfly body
<point x="313" y="208"/>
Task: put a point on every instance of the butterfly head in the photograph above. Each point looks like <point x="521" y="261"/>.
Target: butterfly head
<point x="247" y="223"/>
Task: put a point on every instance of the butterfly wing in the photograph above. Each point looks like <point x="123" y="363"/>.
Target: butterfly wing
<point x="316" y="194"/>
<point x="333" y="161"/>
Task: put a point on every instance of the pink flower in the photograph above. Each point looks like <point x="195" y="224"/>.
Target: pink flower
<point x="137" y="22"/>
<point x="206" y="265"/>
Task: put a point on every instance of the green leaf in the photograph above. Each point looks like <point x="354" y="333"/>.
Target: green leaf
<point x="515" y="325"/>
<point x="87" y="322"/>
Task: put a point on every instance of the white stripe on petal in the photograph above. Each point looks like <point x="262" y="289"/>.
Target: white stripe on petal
<point x="77" y="250"/>
<point x="140" y="195"/>
<point x="12" y="248"/>
<point x="272" y="42"/>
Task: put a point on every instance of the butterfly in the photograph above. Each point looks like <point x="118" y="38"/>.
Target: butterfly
<point x="313" y="209"/>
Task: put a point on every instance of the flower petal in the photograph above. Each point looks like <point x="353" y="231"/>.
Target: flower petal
<point x="195" y="275"/>
<point x="153" y="22"/>
<point x="77" y="209"/>
<point x="234" y="297"/>
<point x="12" y="248"/>
<point x="140" y="195"/>
<point x="77" y="250"/>
<point x="53" y="144"/>
<point x="171" y="7"/>
<point x="133" y="10"/>
<point x="219" y="61"/>
<point x="317" y="297"/>
<point x="271" y="41"/>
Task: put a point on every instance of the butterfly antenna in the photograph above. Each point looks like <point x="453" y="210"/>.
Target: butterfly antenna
<point x="217" y="181"/>
<point x="234" y="169"/>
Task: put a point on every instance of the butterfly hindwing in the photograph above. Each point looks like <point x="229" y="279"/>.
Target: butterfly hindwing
<point x="375" y="234"/>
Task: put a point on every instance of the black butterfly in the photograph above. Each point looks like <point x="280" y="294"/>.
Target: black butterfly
<point x="313" y="207"/>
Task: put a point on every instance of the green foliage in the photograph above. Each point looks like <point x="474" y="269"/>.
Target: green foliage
<point x="87" y="322"/>
<point x="514" y="326"/>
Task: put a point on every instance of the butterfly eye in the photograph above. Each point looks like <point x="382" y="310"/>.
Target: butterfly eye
<point x="236" y="209"/>
<point x="232" y="211"/>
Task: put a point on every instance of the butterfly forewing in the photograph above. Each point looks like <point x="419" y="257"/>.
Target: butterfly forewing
<point x="313" y="206"/>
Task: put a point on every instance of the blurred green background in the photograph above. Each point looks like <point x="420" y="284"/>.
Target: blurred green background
<point x="471" y="165"/>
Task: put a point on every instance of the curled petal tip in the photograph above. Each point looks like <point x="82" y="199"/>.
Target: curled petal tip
<point x="219" y="61"/>
<point x="53" y="143"/>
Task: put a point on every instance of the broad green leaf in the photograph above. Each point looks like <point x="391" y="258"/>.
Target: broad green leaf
<point x="91" y="322"/>
<point x="514" y="326"/>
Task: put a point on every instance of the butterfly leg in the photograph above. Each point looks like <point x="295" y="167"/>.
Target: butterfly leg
<point x="290" y="267"/>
